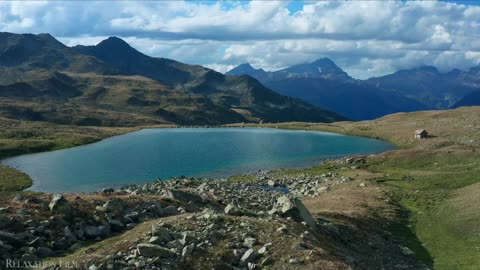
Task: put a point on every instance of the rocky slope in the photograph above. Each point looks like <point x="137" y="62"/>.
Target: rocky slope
<point x="191" y="223"/>
<point x="112" y="84"/>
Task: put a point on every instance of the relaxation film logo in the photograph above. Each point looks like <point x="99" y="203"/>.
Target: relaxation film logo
<point x="17" y="264"/>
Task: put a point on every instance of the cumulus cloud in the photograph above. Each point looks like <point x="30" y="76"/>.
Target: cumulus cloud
<point x="366" y="39"/>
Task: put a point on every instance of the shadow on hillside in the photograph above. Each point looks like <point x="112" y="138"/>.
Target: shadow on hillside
<point x="375" y="243"/>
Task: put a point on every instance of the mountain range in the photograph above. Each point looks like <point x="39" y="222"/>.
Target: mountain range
<point x="324" y="84"/>
<point x="112" y="84"/>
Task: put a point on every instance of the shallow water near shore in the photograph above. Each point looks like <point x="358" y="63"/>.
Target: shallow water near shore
<point x="146" y="155"/>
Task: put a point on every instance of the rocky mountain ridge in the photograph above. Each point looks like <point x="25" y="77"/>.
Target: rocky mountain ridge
<point x="112" y="84"/>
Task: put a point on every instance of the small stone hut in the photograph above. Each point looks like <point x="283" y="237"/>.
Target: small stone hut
<point x="421" y="134"/>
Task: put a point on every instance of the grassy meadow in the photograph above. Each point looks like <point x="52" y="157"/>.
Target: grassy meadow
<point x="436" y="180"/>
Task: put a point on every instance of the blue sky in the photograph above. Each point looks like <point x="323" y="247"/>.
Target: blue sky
<point x="365" y="38"/>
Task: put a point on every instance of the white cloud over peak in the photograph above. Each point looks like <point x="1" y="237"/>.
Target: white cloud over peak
<point x="366" y="39"/>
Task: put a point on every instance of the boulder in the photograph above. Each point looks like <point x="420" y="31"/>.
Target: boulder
<point x="191" y="207"/>
<point x="59" y="205"/>
<point x="162" y="233"/>
<point x="187" y="250"/>
<point x="43" y="252"/>
<point x="151" y="250"/>
<point x="156" y="209"/>
<point x="37" y="242"/>
<point x="248" y="256"/>
<point x="114" y="206"/>
<point x="11" y="239"/>
<point x="187" y="237"/>
<point x="230" y="209"/>
<point x="116" y="225"/>
<point x="170" y="210"/>
<point x="249" y="242"/>
<point x="294" y="208"/>
<point x="183" y="196"/>
<point x="95" y="231"/>
<point x="133" y="216"/>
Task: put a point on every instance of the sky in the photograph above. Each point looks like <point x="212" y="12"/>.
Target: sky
<point x="365" y="38"/>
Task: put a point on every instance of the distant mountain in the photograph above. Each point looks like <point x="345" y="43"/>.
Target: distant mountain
<point x="114" y="84"/>
<point x="323" y="68"/>
<point x="247" y="69"/>
<point x="429" y="86"/>
<point x="472" y="99"/>
<point x="325" y="84"/>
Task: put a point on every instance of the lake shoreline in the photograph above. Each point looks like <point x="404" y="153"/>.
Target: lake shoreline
<point x="215" y="172"/>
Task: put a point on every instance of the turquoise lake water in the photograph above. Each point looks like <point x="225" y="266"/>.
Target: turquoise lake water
<point x="146" y="155"/>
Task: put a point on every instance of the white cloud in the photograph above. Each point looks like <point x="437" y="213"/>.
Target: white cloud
<point x="365" y="38"/>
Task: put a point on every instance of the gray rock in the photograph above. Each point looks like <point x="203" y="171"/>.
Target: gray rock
<point x="191" y="207"/>
<point x="249" y="242"/>
<point x="293" y="261"/>
<point x="114" y="206"/>
<point x="37" y="242"/>
<point x="116" y="225"/>
<point x="155" y="208"/>
<point x="184" y="196"/>
<point x="95" y="231"/>
<point x="175" y="244"/>
<point x="187" y="237"/>
<point x="271" y="183"/>
<point x="162" y="233"/>
<point x="132" y="215"/>
<point x="266" y="261"/>
<point x="170" y="210"/>
<point x="282" y="229"/>
<point x="406" y="250"/>
<point x="59" y="205"/>
<point x="295" y="209"/>
<point x="151" y="250"/>
<point x="249" y="256"/>
<point x="230" y="209"/>
<point x="187" y="250"/>
<point x="8" y="237"/>
<point x="43" y="252"/>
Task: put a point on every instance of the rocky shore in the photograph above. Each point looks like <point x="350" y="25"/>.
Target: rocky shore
<point x="260" y="223"/>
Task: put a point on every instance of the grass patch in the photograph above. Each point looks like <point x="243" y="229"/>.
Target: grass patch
<point x="13" y="180"/>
